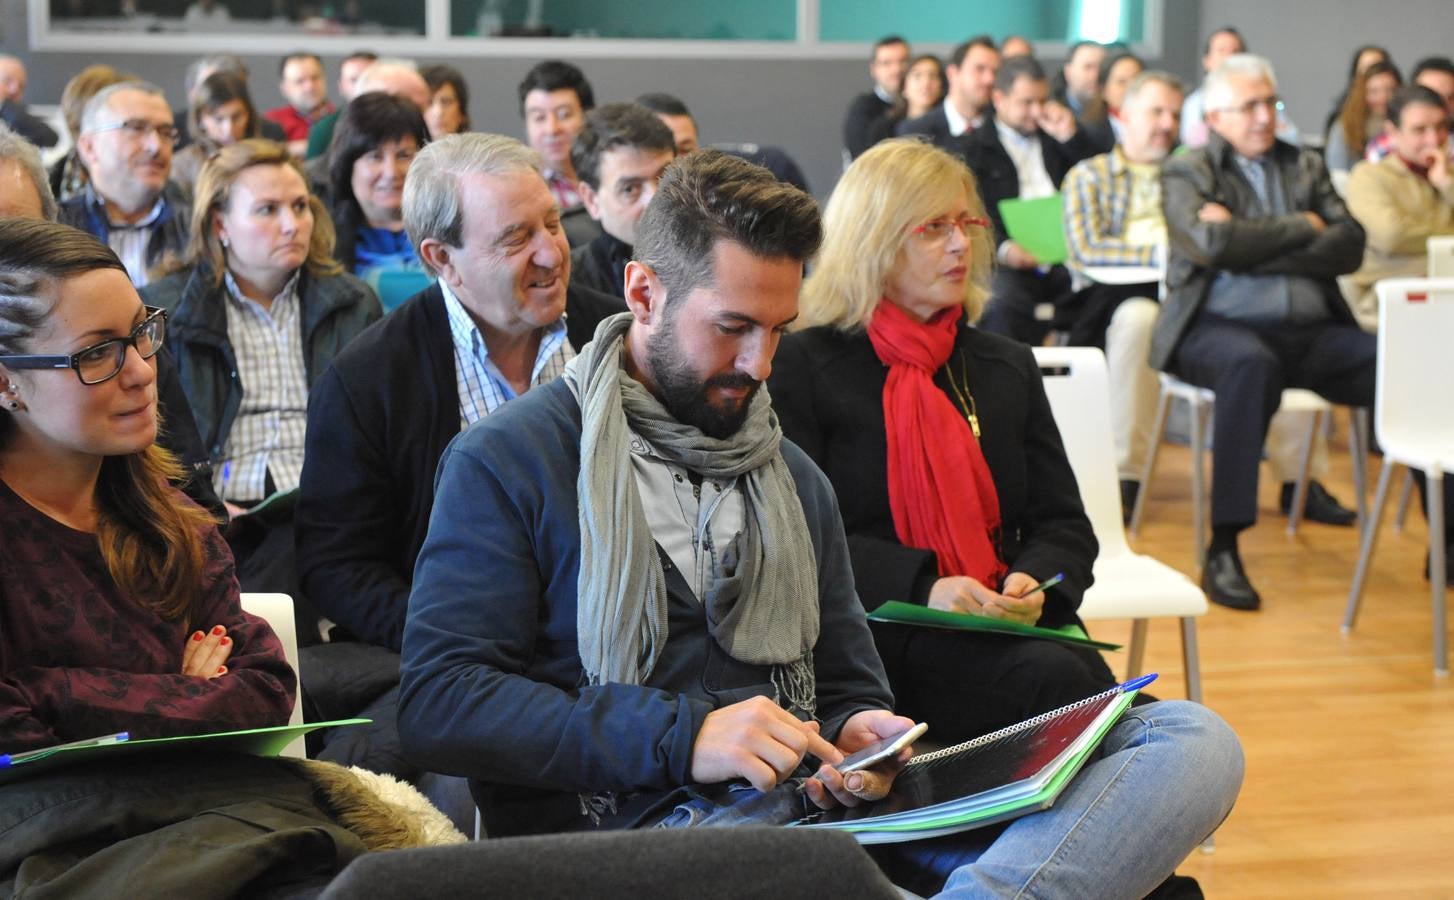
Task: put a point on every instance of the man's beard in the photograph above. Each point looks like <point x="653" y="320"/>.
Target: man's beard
<point x="685" y="395"/>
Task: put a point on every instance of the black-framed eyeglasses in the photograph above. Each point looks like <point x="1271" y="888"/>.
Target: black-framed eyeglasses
<point x="100" y="362"/>
<point x="138" y="129"/>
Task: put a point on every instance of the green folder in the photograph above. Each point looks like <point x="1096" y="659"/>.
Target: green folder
<point x="1036" y="226"/>
<point x="254" y="741"/>
<point x="913" y="614"/>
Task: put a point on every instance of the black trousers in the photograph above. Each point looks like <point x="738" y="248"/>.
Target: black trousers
<point x="1248" y="366"/>
<point x="1024" y="304"/>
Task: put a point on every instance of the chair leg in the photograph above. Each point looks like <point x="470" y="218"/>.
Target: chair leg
<point x="1198" y="487"/>
<point x="1136" y="656"/>
<point x="1190" y="659"/>
<point x="1300" y="493"/>
<point x="1405" y="496"/>
<point x="1368" y="544"/>
<point x="479" y="825"/>
<point x="1358" y="446"/>
<point x="1437" y="562"/>
<point x="1157" y="433"/>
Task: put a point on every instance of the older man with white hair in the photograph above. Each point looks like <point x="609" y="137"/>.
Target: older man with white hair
<point x="126" y="141"/>
<point x="1257" y="237"/>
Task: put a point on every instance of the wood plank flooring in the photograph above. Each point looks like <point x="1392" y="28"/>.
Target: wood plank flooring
<point x="1349" y="739"/>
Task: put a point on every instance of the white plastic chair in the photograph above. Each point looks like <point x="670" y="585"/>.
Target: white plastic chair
<point x="1127" y="585"/>
<point x="1412" y="421"/>
<point x="277" y="611"/>
<point x="1440" y="265"/>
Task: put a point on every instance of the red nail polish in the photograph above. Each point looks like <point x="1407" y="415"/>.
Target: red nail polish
<point x="197" y="636"/>
<point x="225" y="641"/>
<point x="221" y="670"/>
<point x="217" y="629"/>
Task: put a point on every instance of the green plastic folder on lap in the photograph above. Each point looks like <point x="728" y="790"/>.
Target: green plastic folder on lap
<point x="254" y="741"/>
<point x="1036" y="225"/>
<point x="913" y="614"/>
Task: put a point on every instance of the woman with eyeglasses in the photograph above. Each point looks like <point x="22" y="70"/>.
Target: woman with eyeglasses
<point x="222" y="114"/>
<point x="952" y="480"/>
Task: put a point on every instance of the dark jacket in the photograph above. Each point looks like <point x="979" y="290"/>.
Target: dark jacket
<point x="179" y="435"/>
<point x="32" y="128"/>
<point x="601" y="265"/>
<point x="168" y="233"/>
<point x="995" y="171"/>
<point x="827" y="387"/>
<point x="379" y="419"/>
<point x="492" y="681"/>
<point x="868" y="121"/>
<point x="1251" y="243"/>
<point x="334" y="310"/>
<point x="935" y="125"/>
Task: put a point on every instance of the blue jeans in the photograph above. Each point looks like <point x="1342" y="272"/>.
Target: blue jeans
<point x="1163" y="779"/>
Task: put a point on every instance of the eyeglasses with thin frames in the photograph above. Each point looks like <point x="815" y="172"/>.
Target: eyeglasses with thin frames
<point x="140" y="128"/>
<point x="1271" y="104"/>
<point x="937" y="231"/>
<point x="102" y="361"/>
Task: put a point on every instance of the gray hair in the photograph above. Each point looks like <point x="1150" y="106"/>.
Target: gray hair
<point x="432" y="207"/>
<point x="13" y="146"/>
<point x="1151" y="76"/>
<point x="1218" y="87"/>
<point x="217" y="62"/>
<point x="97" y="105"/>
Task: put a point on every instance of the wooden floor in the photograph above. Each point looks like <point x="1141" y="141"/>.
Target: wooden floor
<point x="1349" y="740"/>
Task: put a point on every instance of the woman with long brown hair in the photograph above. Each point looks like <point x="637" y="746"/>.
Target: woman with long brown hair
<point x="222" y="113"/>
<point x="1360" y="119"/>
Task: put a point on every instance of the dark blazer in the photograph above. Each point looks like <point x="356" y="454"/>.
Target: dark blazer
<point x="379" y="419"/>
<point x="995" y="171"/>
<point x="827" y="387"/>
<point x="32" y="128"/>
<point x="869" y="120"/>
<point x="168" y="234"/>
<point x="1252" y="243"/>
<point x="601" y="265"/>
<point x="934" y="124"/>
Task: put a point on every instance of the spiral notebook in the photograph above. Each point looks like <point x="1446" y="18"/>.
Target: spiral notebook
<point x="1000" y="776"/>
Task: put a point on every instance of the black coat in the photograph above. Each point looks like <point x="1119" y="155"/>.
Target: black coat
<point x="827" y="387"/>
<point x="601" y="265"/>
<point x="869" y="120"/>
<point x="933" y="124"/>
<point x="378" y="421"/>
<point x="996" y="173"/>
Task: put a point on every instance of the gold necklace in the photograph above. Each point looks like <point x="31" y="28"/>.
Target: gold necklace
<point x="966" y="399"/>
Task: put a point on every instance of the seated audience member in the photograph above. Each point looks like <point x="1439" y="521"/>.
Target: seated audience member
<point x="1220" y="44"/>
<point x="1362" y="117"/>
<point x="129" y="202"/>
<point x="870" y="116"/>
<point x="490" y="328"/>
<point x="349" y="70"/>
<point x="970" y="74"/>
<point x="924" y="86"/>
<point x="1257" y="237"/>
<point x="1435" y="73"/>
<point x="449" y="101"/>
<point x="674" y="113"/>
<point x="1016" y="45"/>
<point x="1402" y="200"/>
<point x="68" y="174"/>
<point x="651" y="486"/>
<point x="1078" y="86"/>
<point x="221" y="115"/>
<point x="554" y="99"/>
<point x="303" y="86"/>
<point x="1026" y="154"/>
<point x="258" y="310"/>
<point x="619" y="157"/>
<point x="378" y="137"/>
<point x="1102" y="124"/>
<point x="996" y="509"/>
<point x="198" y="71"/>
<point x="12" y="105"/>
<point x="396" y="77"/>
<point x="24" y="193"/>
<point x="1363" y="58"/>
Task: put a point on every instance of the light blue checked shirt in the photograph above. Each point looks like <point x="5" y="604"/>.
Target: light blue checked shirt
<point x="482" y="388"/>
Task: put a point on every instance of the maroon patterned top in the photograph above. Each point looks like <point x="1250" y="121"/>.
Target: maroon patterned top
<point x="78" y="660"/>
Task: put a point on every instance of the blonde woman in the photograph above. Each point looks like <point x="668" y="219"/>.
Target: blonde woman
<point x="938" y="438"/>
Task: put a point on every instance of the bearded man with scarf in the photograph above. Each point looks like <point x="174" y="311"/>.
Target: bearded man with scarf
<point x="635" y="605"/>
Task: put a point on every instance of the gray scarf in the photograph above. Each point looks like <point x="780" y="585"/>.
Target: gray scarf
<point x="765" y="612"/>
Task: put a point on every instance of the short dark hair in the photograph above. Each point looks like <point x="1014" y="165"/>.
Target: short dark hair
<point x="369" y="55"/>
<point x="1412" y="95"/>
<point x="557" y="75"/>
<point x="616" y="125"/>
<point x="1017" y="67"/>
<point x="665" y="105"/>
<point x="956" y="58"/>
<point x="1079" y="45"/>
<point x="438" y="76"/>
<point x="298" y="54"/>
<point x="1432" y="64"/>
<point x="886" y="41"/>
<point x="709" y="196"/>
<point x="1109" y="63"/>
<point x="366" y="122"/>
<point x="1225" y="29"/>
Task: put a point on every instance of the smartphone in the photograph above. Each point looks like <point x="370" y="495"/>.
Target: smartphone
<point x="880" y="750"/>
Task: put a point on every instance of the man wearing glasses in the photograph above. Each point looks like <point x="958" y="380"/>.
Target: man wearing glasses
<point x="126" y="141"/>
<point x="1257" y="236"/>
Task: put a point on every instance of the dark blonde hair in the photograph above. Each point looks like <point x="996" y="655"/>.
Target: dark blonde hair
<point x="214" y="192"/>
<point x="1353" y="120"/>
<point x="150" y="539"/>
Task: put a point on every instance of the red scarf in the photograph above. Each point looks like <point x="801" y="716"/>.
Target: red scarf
<point x="940" y="489"/>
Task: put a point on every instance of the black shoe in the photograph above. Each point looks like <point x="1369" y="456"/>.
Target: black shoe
<point x="1321" y="507"/>
<point x="1225" y="584"/>
<point x="1129" y="491"/>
